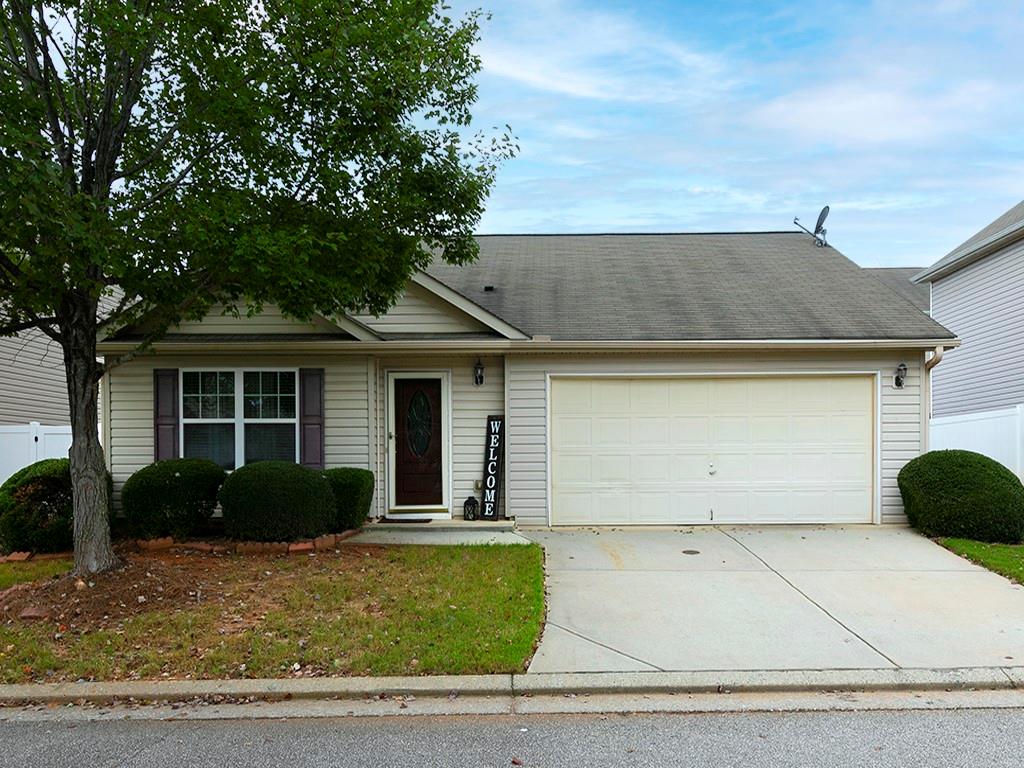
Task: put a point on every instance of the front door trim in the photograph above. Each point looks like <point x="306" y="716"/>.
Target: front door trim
<point x="429" y="512"/>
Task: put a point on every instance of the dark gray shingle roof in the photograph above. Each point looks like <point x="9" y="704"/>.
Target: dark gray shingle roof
<point x="899" y="279"/>
<point x="765" y="285"/>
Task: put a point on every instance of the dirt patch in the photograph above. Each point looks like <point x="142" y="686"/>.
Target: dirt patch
<point x="173" y="581"/>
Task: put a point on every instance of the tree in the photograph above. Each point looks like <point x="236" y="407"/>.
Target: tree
<point x="183" y="153"/>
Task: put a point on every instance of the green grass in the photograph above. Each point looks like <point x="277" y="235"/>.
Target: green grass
<point x="1004" y="559"/>
<point x="32" y="570"/>
<point x="402" y="610"/>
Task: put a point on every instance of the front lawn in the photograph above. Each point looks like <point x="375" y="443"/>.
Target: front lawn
<point x="1005" y="559"/>
<point x="31" y="570"/>
<point x="363" y="611"/>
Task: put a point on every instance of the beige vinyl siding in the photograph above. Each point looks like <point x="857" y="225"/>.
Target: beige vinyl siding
<point x="526" y="446"/>
<point x="346" y="401"/>
<point x="984" y="305"/>
<point x="270" y="320"/>
<point x="420" y="311"/>
<point x="471" y="405"/>
<point x="32" y="385"/>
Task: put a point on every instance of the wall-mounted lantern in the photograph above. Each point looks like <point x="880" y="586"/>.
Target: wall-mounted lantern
<point x="901" y="376"/>
<point x="478" y="373"/>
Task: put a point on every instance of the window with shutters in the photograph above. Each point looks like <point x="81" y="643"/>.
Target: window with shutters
<point x="239" y="416"/>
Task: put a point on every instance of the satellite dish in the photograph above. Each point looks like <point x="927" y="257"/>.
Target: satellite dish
<point x="819" y="229"/>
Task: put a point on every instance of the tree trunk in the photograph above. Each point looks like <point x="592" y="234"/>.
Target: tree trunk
<point x="91" y="493"/>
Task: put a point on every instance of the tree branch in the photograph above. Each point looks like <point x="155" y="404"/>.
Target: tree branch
<point x="12" y="328"/>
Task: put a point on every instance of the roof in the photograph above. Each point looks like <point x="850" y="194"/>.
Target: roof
<point x="900" y="280"/>
<point x="1006" y="229"/>
<point x="661" y="287"/>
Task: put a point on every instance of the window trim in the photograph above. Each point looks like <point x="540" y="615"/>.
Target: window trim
<point x="239" y="421"/>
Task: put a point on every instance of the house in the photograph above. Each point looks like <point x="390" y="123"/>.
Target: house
<point x="901" y="280"/>
<point x="978" y="291"/>
<point x="34" y="419"/>
<point x="642" y="379"/>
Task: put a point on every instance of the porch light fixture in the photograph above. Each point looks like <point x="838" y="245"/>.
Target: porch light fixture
<point x="478" y="373"/>
<point x="901" y="376"/>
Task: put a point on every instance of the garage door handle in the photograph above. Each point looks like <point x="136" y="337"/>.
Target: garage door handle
<point x="712" y="470"/>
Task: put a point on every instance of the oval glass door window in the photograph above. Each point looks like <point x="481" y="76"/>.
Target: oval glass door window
<point x="420" y="423"/>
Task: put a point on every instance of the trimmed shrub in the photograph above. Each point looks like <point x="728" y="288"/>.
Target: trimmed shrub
<point x="175" y="497"/>
<point x="37" y="509"/>
<point x="964" y="495"/>
<point x="276" y="501"/>
<point x="353" y="492"/>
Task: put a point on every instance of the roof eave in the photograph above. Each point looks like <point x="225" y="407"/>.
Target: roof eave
<point x="532" y="346"/>
<point x="994" y="242"/>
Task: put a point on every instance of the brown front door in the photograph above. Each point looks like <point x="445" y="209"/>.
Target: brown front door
<point x="418" y="431"/>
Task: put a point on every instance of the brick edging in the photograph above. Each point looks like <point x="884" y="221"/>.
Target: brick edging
<point x="319" y="544"/>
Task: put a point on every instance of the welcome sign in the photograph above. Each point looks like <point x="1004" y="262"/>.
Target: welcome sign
<point x="493" y="452"/>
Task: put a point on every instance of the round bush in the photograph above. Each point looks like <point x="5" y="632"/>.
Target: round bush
<point x="353" y="492"/>
<point x="37" y="508"/>
<point x="964" y="495"/>
<point x="276" y="501"/>
<point x="171" y="498"/>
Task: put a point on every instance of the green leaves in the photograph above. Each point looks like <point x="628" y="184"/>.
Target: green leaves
<point x="310" y="153"/>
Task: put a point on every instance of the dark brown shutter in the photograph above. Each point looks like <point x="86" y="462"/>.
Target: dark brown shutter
<point x="165" y="413"/>
<point x="311" y="417"/>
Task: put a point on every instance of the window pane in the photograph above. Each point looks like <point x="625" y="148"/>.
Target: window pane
<point x="251" y="407"/>
<point x="209" y="407"/>
<point x="227" y="406"/>
<point x="226" y="383"/>
<point x="208" y="382"/>
<point x="215" y="442"/>
<point x="265" y="442"/>
<point x="286" y="406"/>
<point x="268" y="383"/>
<point x="251" y="383"/>
<point x="190" y="407"/>
<point x="269" y="409"/>
<point x="287" y="384"/>
<point x="190" y="383"/>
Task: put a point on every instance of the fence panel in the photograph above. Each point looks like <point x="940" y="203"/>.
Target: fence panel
<point x="24" y="444"/>
<point x="997" y="434"/>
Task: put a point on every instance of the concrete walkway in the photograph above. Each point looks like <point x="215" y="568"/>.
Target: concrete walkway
<point x="770" y="598"/>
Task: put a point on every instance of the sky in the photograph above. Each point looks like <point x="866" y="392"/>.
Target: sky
<point x="905" y="116"/>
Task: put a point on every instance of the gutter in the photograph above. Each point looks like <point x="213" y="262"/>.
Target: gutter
<point x="536" y="345"/>
<point x="935" y="359"/>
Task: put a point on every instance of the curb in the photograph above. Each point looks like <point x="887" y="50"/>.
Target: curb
<point x="541" y="684"/>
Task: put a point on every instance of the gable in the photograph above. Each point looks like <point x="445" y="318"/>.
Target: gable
<point x="420" y="312"/>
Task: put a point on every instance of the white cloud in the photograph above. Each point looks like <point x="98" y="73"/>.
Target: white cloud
<point x="572" y="50"/>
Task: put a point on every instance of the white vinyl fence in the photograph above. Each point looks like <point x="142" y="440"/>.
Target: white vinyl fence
<point x="24" y="444"/>
<point x="997" y="434"/>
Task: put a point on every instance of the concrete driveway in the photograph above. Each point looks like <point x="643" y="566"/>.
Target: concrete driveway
<point x="771" y="598"/>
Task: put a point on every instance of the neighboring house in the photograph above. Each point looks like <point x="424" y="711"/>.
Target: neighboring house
<point x="34" y="419"/>
<point x="978" y="291"/>
<point x="901" y="280"/>
<point x="643" y="379"/>
<point x="32" y="380"/>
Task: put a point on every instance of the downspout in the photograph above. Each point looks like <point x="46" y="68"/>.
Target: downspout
<point x="935" y="359"/>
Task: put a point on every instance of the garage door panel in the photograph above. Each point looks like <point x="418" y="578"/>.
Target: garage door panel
<point x="783" y="449"/>
<point x="650" y="431"/>
<point x="690" y="430"/>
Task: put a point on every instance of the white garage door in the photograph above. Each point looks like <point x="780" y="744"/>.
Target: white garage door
<point x="701" y="450"/>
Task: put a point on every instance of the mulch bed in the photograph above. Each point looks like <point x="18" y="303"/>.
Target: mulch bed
<point x="157" y="581"/>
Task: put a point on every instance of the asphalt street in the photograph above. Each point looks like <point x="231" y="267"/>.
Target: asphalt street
<point x="990" y="738"/>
